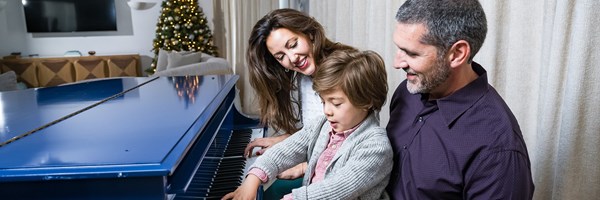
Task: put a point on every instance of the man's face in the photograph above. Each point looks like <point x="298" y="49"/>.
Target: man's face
<point x="425" y="69"/>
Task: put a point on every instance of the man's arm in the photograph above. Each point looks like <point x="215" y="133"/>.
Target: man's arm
<point x="503" y="174"/>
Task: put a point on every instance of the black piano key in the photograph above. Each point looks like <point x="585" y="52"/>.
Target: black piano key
<point x="225" y="184"/>
<point x="231" y="167"/>
<point x="220" y="193"/>
<point x="197" y="192"/>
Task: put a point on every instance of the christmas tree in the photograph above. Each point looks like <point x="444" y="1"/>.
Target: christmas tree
<point x="182" y="26"/>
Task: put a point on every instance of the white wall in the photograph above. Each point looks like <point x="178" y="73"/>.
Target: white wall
<point x="136" y="30"/>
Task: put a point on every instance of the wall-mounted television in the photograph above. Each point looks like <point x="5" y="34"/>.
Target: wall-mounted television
<point x="69" y="15"/>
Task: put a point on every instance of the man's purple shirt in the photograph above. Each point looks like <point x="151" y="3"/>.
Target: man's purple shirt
<point x="467" y="145"/>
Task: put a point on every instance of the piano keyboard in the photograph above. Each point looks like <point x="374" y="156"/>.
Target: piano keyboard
<point x="223" y="167"/>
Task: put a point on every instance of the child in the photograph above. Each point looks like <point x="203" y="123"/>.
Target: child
<point x="349" y="156"/>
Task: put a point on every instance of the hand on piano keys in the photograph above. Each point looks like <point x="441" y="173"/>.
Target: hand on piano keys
<point x="264" y="143"/>
<point x="218" y="176"/>
<point x="248" y="189"/>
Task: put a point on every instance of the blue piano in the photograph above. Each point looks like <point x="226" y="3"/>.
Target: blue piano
<point x="123" y="138"/>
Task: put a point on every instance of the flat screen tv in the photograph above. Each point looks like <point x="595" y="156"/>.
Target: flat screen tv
<point x="69" y="15"/>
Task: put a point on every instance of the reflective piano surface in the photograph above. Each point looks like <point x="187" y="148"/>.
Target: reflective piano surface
<point x="121" y="138"/>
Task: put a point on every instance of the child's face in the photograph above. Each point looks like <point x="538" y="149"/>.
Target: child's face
<point x="293" y="51"/>
<point x="342" y="114"/>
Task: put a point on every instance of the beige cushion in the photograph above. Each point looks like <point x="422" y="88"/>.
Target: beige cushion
<point x="161" y="61"/>
<point x="177" y="59"/>
<point x="208" y="65"/>
<point x="8" y="81"/>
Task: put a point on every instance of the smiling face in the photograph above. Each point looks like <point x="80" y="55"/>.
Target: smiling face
<point x="340" y="112"/>
<point x="425" y="70"/>
<point x="293" y="51"/>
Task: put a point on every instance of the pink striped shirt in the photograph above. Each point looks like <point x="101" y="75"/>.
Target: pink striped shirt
<point x="335" y="142"/>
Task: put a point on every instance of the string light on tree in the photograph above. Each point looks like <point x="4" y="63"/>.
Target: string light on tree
<point x="182" y="26"/>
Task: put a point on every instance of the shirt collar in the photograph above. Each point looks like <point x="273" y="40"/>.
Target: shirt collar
<point x="454" y="105"/>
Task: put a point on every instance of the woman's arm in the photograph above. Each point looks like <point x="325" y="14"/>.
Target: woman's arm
<point x="289" y="152"/>
<point x="294" y="172"/>
<point x="264" y="143"/>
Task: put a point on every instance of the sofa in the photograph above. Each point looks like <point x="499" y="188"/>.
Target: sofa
<point x="185" y="63"/>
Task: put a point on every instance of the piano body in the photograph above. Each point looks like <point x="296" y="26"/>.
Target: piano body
<point x="123" y="138"/>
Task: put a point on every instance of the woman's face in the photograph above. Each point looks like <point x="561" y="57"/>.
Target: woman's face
<point x="292" y="50"/>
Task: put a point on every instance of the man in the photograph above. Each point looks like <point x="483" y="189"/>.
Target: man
<point x="453" y="136"/>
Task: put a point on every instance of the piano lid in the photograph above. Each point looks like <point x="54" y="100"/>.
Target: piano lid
<point x="24" y="110"/>
<point x="143" y="131"/>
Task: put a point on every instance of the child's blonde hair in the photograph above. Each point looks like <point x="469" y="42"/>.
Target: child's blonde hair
<point x="360" y="75"/>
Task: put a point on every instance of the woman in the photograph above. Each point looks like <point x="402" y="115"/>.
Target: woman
<point x="285" y="48"/>
<point x="283" y="43"/>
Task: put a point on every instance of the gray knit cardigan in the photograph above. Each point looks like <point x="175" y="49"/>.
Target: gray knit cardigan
<point x="359" y="170"/>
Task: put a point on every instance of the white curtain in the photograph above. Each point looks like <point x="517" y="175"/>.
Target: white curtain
<point x="234" y="20"/>
<point x="543" y="57"/>
<point x="365" y="25"/>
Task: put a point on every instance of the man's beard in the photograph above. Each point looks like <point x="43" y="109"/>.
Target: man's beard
<point x="426" y="82"/>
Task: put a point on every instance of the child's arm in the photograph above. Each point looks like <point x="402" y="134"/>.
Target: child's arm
<point x="247" y="190"/>
<point x="289" y="152"/>
<point x="366" y="170"/>
<point x="281" y="156"/>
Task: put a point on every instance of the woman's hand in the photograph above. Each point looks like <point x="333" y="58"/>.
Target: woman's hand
<point x="247" y="190"/>
<point x="294" y="172"/>
<point x="265" y="143"/>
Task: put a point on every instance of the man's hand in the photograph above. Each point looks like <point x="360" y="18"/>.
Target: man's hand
<point x="294" y="172"/>
<point x="265" y="143"/>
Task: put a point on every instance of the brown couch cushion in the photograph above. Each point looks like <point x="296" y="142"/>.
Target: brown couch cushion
<point x="25" y="70"/>
<point x="90" y="69"/>
<point x="122" y="67"/>
<point x="52" y="73"/>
